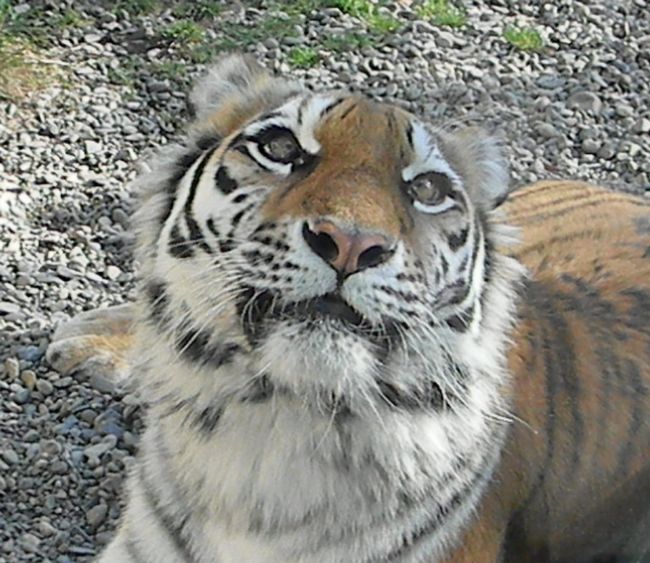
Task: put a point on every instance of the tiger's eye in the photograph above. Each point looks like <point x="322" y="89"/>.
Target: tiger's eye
<point x="430" y="188"/>
<point x="282" y="148"/>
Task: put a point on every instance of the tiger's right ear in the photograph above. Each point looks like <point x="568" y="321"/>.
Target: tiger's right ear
<point x="234" y="90"/>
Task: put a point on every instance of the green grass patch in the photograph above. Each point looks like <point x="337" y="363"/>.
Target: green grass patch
<point x="24" y="25"/>
<point x="24" y="66"/>
<point x="383" y="23"/>
<point x="524" y="38"/>
<point x="303" y="57"/>
<point x="168" y="69"/>
<point x="442" y="12"/>
<point x="184" y="31"/>
<point x="23" y="70"/>
<point x="369" y="12"/>
<point x="357" y="8"/>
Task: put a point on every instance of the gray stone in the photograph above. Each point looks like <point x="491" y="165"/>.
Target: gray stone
<point x="44" y="386"/>
<point x="624" y="110"/>
<point x="12" y="368"/>
<point x="28" y="377"/>
<point x="102" y="384"/>
<point x="606" y="151"/>
<point x="113" y="272"/>
<point x="96" y="515"/>
<point x="108" y="443"/>
<point x="51" y="447"/>
<point x="31" y="436"/>
<point x="590" y="146"/>
<point x="29" y="353"/>
<point x="546" y="130"/>
<point x="45" y="528"/>
<point x="586" y="101"/>
<point x="6" y="308"/>
<point x="22" y="396"/>
<point x="641" y="126"/>
<point x="92" y="147"/>
<point x="9" y="456"/>
<point x="30" y="543"/>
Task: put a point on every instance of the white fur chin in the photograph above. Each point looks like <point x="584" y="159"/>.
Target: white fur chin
<point x="309" y="359"/>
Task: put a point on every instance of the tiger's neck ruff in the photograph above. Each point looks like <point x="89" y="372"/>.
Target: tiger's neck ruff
<point x="323" y="330"/>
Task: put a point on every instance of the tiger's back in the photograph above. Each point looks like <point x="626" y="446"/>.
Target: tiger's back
<point x="575" y="480"/>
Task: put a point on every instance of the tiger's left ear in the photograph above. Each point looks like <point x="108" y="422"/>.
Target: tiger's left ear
<point x="235" y="89"/>
<point x="478" y="158"/>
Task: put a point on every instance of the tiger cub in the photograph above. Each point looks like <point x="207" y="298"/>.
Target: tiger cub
<point x="347" y="357"/>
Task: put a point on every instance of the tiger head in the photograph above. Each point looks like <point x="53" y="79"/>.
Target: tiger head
<point x="333" y="247"/>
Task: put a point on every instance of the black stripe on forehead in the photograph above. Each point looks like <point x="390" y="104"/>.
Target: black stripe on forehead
<point x="353" y="106"/>
<point x="301" y="109"/>
<point x="331" y="107"/>
<point x="409" y="135"/>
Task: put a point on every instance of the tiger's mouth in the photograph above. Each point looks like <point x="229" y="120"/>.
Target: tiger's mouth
<point x="258" y="310"/>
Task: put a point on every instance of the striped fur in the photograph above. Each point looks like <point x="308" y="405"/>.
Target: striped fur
<point x="402" y="412"/>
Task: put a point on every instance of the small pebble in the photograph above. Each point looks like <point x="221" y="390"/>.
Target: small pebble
<point x="28" y="377"/>
<point x="96" y="515"/>
<point x="12" y="368"/>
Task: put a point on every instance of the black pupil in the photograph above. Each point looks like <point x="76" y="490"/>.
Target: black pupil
<point x="282" y="148"/>
<point x="431" y="188"/>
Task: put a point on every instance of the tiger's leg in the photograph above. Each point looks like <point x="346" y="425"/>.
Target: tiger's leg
<point x="94" y="342"/>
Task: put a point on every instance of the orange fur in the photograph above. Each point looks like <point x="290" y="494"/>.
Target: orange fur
<point x="576" y="469"/>
<point x="368" y="179"/>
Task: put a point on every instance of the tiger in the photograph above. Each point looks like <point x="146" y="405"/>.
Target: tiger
<point x="356" y="345"/>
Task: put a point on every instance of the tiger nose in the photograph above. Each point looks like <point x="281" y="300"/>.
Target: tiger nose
<point x="347" y="251"/>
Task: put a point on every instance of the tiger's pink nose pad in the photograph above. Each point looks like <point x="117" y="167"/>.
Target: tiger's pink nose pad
<point x="347" y="251"/>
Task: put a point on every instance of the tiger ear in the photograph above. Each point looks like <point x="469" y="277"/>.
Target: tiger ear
<point x="478" y="157"/>
<point x="235" y="89"/>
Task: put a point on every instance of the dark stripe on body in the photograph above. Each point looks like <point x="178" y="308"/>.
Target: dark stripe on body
<point x="637" y="394"/>
<point x="520" y="215"/>
<point x="175" y="530"/>
<point x="548" y="243"/>
<point x="541" y="351"/>
<point x="481" y="475"/>
<point x="566" y="369"/>
<point x="206" y="420"/>
<point x="605" y="201"/>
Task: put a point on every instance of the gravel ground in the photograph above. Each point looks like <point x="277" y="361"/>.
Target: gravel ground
<point x="577" y="109"/>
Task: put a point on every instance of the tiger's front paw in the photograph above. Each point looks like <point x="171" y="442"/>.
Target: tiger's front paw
<point x="94" y="343"/>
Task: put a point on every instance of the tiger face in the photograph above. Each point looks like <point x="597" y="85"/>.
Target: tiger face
<point x="338" y="246"/>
